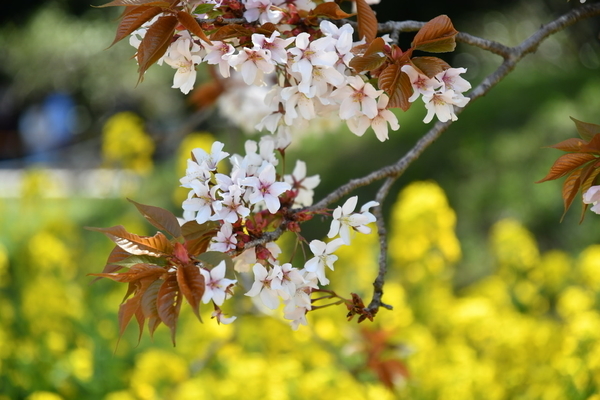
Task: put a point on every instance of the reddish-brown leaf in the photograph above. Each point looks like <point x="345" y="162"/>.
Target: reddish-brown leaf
<point x="367" y="63"/>
<point x="155" y="43"/>
<point x="193" y="230"/>
<point x="376" y="46"/>
<point x="126" y="312"/>
<point x="586" y="130"/>
<point x="129" y="3"/>
<point x="572" y="144"/>
<point x="116" y="255"/>
<point x="135" y="273"/>
<point x="148" y="305"/>
<point x="266" y="29"/>
<point x="367" y="21"/>
<point x="160" y="218"/>
<point x="133" y="18"/>
<point x="192" y="25"/>
<point x="230" y="31"/>
<point x="570" y="189"/>
<point x="192" y="286"/>
<point x="593" y="146"/>
<point x="430" y="66"/>
<point x="155" y="246"/>
<point x="436" y="36"/>
<point x="139" y="317"/>
<point x="397" y="85"/>
<point x="168" y="304"/>
<point x="330" y="11"/>
<point x="566" y="164"/>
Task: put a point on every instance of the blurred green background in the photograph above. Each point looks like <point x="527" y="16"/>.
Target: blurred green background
<point x="493" y="297"/>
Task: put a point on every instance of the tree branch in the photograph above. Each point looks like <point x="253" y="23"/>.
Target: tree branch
<point x="511" y="56"/>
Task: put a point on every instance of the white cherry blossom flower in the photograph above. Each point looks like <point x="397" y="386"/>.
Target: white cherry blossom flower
<point x="275" y="45"/>
<point x="225" y="239"/>
<point x="232" y="207"/>
<point x="442" y="104"/>
<point x="291" y="279"/>
<point x="217" y="286"/>
<point x="323" y="257"/>
<point x="309" y="54"/>
<point x="253" y="64"/>
<point x="357" y="97"/>
<point x="303" y="184"/>
<point x="421" y="84"/>
<point x="592" y="196"/>
<point x="451" y="80"/>
<point x="267" y="285"/>
<point x="193" y="172"/>
<point x="344" y="219"/>
<point x="359" y="124"/>
<point x="266" y="188"/>
<point x="210" y="161"/>
<point x="183" y="55"/>
<point x="262" y="11"/>
<point x="199" y="203"/>
<point x="219" y="53"/>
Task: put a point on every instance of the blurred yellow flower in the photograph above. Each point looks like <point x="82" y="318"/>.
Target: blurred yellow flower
<point x="125" y="143"/>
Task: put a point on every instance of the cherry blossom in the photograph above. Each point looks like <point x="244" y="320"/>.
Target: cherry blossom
<point x="359" y="124"/>
<point x="303" y="184"/>
<point x="253" y="64"/>
<point x="217" y="288"/>
<point x="592" y="196"/>
<point x="219" y="53"/>
<point x="225" y="239"/>
<point x="183" y="55"/>
<point x="323" y="257"/>
<point x="442" y="104"/>
<point x="275" y="45"/>
<point x="267" y="285"/>
<point x="210" y="160"/>
<point x="262" y="11"/>
<point x="344" y="219"/>
<point x="421" y="84"/>
<point x="266" y="188"/>
<point x="358" y="97"/>
<point x="451" y="80"/>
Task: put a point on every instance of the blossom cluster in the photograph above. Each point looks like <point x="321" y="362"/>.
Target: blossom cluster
<point x="308" y="74"/>
<point x="242" y="203"/>
<point x="440" y="93"/>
